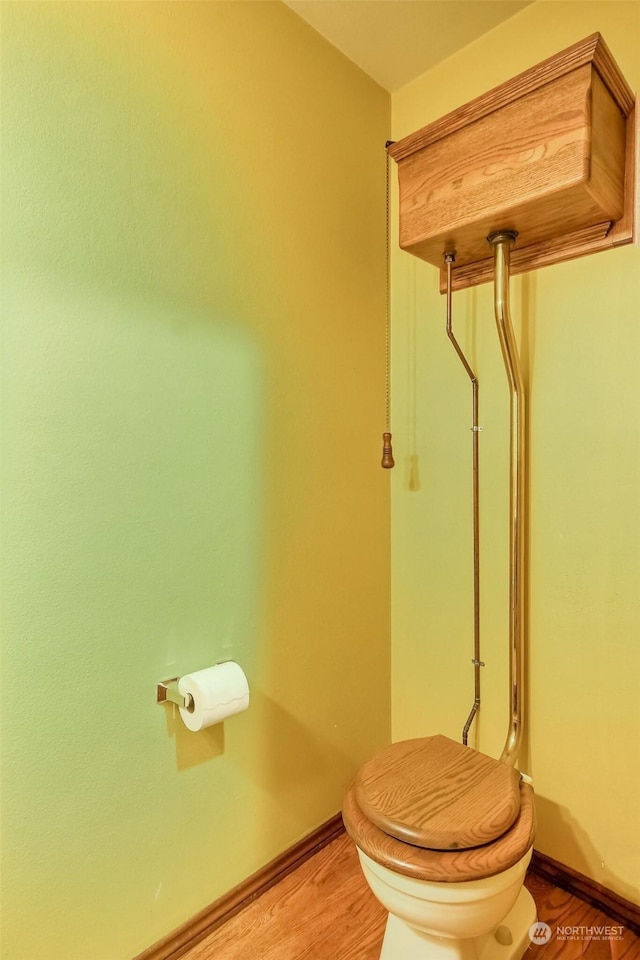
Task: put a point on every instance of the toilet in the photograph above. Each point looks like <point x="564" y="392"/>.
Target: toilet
<point x="444" y="835"/>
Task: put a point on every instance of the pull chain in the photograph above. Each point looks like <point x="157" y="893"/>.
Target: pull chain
<point x="387" y="451"/>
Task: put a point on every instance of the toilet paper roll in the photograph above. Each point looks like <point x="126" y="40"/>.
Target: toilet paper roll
<point x="218" y="692"/>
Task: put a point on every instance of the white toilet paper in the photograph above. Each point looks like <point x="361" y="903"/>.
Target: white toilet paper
<point x="218" y="692"/>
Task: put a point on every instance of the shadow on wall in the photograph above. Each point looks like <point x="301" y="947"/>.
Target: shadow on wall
<point x="412" y="462"/>
<point x="193" y="749"/>
<point x="578" y="851"/>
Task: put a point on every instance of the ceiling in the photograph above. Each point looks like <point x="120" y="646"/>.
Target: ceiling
<point x="394" y="41"/>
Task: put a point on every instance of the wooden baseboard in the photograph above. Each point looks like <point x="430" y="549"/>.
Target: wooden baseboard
<point x="616" y="907"/>
<point x="176" y="944"/>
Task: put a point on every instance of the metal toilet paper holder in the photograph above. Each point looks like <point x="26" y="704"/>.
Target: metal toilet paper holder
<point x="167" y="692"/>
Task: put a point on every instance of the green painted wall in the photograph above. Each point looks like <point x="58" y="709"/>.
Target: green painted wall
<point x="579" y="339"/>
<point x="193" y="370"/>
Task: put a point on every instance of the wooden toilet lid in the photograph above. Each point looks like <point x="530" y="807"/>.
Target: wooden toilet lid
<point x="443" y="866"/>
<point x="438" y="794"/>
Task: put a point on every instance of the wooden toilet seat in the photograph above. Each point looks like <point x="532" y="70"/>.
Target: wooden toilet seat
<point x="438" y="794"/>
<point x="435" y="810"/>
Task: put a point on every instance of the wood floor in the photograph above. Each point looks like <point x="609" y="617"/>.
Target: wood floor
<point x="324" y="910"/>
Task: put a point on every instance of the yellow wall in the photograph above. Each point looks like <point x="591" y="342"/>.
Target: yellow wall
<point x="577" y="326"/>
<point x="193" y="368"/>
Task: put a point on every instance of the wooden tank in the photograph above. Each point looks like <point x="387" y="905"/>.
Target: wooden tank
<point x="549" y="154"/>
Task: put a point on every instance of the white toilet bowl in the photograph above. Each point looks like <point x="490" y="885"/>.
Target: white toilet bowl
<point x="486" y="919"/>
<point x="447" y="898"/>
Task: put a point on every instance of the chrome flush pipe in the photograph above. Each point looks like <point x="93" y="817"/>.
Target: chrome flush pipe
<point x="502" y="241"/>
<point x="449" y="259"/>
